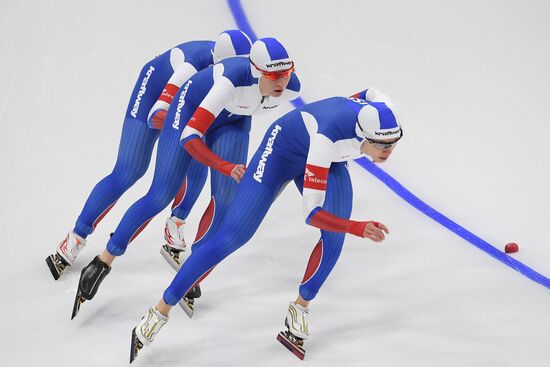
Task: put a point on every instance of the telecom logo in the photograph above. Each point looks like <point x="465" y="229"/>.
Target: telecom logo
<point x="259" y="174"/>
<point x="142" y="90"/>
<point x="181" y="103"/>
<point x="312" y="181"/>
<point x="166" y="94"/>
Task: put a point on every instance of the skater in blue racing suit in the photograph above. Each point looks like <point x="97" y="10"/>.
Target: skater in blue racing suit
<point x="309" y="146"/>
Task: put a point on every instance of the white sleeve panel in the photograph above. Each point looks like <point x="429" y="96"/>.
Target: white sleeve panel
<point x="188" y="131"/>
<point x="215" y="101"/>
<point x="183" y="72"/>
<point x="322" y="152"/>
<point x="159" y="105"/>
<point x="220" y="95"/>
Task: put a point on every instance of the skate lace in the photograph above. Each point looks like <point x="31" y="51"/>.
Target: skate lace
<point x="152" y="325"/>
<point x="173" y="233"/>
<point x="71" y="246"/>
<point x="298" y="319"/>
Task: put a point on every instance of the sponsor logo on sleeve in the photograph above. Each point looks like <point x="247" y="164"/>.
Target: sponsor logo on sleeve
<point x="315" y="177"/>
<point x="259" y="174"/>
<point x="181" y="103"/>
<point x="142" y="90"/>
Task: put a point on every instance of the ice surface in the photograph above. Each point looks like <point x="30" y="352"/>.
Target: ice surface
<point x="470" y="79"/>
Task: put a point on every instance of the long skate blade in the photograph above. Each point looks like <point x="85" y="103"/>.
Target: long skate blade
<point x="79" y="300"/>
<point x="169" y="259"/>
<point x="187" y="307"/>
<point x="135" y="346"/>
<point x="297" y="350"/>
<point x="53" y="268"/>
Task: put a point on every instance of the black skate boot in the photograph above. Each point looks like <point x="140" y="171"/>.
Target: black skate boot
<point x="57" y="265"/>
<point x="187" y="303"/>
<point x="90" y="279"/>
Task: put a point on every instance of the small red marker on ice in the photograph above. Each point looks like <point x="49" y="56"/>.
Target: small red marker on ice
<point x="511" y="248"/>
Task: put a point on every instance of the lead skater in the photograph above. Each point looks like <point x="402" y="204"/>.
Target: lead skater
<point x="310" y="146"/>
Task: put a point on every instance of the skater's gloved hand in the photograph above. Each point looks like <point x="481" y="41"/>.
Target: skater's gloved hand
<point x="237" y="172"/>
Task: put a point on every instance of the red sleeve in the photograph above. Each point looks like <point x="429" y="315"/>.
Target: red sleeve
<point x="328" y="222"/>
<point x="157" y="119"/>
<point x="201" y="153"/>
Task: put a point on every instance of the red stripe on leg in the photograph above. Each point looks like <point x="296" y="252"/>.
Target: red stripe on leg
<point x="314" y="262"/>
<point x="141" y="228"/>
<point x="180" y="195"/>
<point x="200" y="279"/>
<point x="102" y="215"/>
<point x="206" y="220"/>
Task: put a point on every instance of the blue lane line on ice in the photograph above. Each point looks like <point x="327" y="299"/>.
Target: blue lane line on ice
<point x="413" y="200"/>
<point x="243" y="24"/>
<point x="400" y="190"/>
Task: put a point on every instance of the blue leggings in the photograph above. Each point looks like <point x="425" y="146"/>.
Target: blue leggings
<point x="134" y="153"/>
<point x="251" y="203"/>
<point x="230" y="142"/>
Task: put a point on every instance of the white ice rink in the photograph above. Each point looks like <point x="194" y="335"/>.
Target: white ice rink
<point x="471" y="82"/>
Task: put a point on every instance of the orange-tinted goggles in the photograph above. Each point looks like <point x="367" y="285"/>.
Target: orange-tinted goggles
<point x="276" y="75"/>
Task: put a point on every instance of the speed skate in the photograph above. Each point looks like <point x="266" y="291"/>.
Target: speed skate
<point x="292" y="343"/>
<point x="187" y="304"/>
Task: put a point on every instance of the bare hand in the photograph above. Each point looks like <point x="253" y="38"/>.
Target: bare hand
<point x="375" y="231"/>
<point x="237" y="172"/>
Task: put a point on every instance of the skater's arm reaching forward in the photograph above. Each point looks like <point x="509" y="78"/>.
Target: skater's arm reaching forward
<point x="204" y="116"/>
<point x="322" y="153"/>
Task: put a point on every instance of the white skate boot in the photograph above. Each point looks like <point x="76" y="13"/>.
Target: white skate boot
<point x="144" y="333"/>
<point x="175" y="243"/>
<point x="297" y="330"/>
<point x="66" y="254"/>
